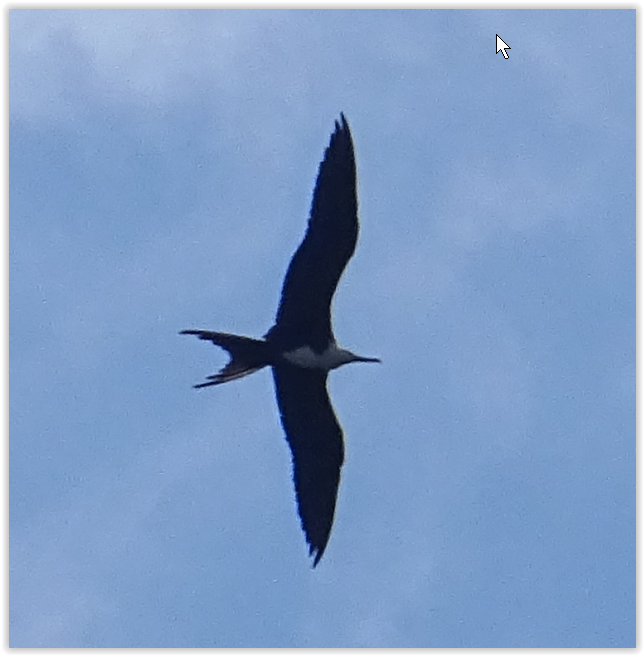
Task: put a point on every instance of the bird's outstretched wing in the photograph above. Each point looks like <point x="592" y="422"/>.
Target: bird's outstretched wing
<point x="315" y="438"/>
<point x="329" y="243"/>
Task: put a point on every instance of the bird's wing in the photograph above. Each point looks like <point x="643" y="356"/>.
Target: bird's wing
<point x="329" y="243"/>
<point x="315" y="438"/>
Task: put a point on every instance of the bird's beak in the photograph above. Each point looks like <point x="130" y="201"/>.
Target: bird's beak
<point x="361" y="359"/>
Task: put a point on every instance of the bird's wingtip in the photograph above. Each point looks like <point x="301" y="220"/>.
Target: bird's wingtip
<point x="317" y="554"/>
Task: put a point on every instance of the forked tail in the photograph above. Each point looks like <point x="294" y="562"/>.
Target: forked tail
<point x="247" y="355"/>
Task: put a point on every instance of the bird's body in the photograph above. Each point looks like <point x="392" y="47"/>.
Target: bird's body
<point x="301" y="349"/>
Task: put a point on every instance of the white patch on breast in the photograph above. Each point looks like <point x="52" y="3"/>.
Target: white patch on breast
<point x="306" y="357"/>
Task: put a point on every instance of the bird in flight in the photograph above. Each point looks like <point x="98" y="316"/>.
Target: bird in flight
<point x="301" y="349"/>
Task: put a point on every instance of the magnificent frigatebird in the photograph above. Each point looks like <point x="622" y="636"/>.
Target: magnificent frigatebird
<point x="301" y="348"/>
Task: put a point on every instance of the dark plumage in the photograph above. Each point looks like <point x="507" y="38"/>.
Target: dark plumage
<point x="301" y="348"/>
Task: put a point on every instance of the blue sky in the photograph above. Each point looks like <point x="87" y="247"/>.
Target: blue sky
<point x="161" y="170"/>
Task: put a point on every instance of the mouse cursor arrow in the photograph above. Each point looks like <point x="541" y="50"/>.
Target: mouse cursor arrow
<point x="502" y="45"/>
